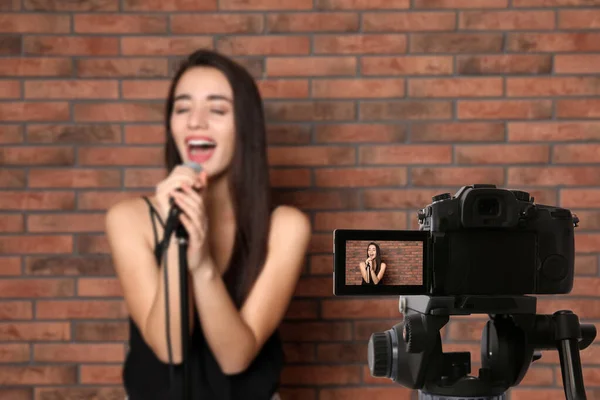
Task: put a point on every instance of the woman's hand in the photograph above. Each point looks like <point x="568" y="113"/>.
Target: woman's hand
<point x="180" y="175"/>
<point x="195" y="221"/>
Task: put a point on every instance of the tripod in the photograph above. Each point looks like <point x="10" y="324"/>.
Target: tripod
<point x="410" y="353"/>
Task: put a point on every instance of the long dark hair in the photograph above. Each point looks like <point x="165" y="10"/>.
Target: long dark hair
<point x="377" y="256"/>
<point x="249" y="183"/>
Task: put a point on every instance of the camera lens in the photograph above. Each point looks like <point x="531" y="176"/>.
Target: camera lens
<point x="488" y="207"/>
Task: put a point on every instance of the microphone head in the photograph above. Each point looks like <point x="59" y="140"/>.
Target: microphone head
<point x="195" y="166"/>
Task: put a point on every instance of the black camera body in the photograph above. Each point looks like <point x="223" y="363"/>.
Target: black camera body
<point x="490" y="241"/>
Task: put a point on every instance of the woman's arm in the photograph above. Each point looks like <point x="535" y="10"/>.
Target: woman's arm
<point x="377" y="277"/>
<point x="236" y="337"/>
<point x="363" y="271"/>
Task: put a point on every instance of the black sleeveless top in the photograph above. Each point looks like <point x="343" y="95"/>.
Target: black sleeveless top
<point x="370" y="283"/>
<point x="145" y="377"/>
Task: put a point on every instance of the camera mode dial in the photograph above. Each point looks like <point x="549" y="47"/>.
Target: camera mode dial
<point x="521" y="195"/>
<point x="442" y="196"/>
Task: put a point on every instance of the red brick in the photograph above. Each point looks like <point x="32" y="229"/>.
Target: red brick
<point x="406" y="65"/>
<point x="61" y="5"/>
<point x="10" y="266"/>
<point x="342" y="352"/>
<point x="37" y="288"/>
<point x="73" y="352"/>
<point x="552" y="86"/>
<point x="151" y="156"/>
<point x="311" y="156"/>
<point x="357" y="309"/>
<point x="314" y="287"/>
<point x="586" y="265"/>
<point x="36" y="155"/>
<point x="11" y="134"/>
<point x="553" y="42"/>
<point x="433" y="4"/>
<point x="34" y="111"/>
<point x="16" y="394"/>
<point x="507" y="20"/>
<point x="585" y="198"/>
<point x="81" y="309"/>
<point x="321" y="264"/>
<point x="321" y="375"/>
<point x="66" y="223"/>
<point x="118" y="112"/>
<point x="283" y="89"/>
<point x="300" y="66"/>
<point x="92" y="244"/>
<point x="10" y="90"/>
<point x="74" y="133"/>
<point x="81" y="89"/>
<point x="580" y="108"/>
<point x="504" y="109"/>
<point x="10" y="223"/>
<point x="116" y="23"/>
<point x="549" y="176"/>
<point x="14" y="353"/>
<point x="502" y="154"/>
<point x="162" y="46"/>
<point x="409" y="22"/>
<point x="457" y="132"/>
<point x="101" y="331"/>
<point x="367" y="393"/>
<point x="144" y="134"/>
<point x="125" y="68"/>
<point x="405" y="154"/>
<point x="302" y="310"/>
<point x="37" y="200"/>
<point x="328" y="221"/>
<point x="12" y="178"/>
<point x="505" y="64"/>
<point x="71" y="46"/>
<point x="11" y="45"/>
<point x="265" y="5"/>
<point x="35" y="331"/>
<point x="101" y="374"/>
<point x="359" y="44"/>
<point x="361" y="4"/>
<point x="409" y="110"/>
<point x="68" y="265"/>
<point x="553" y="131"/>
<point x="74" y="178"/>
<point x="320" y="243"/>
<point x="38" y="375"/>
<point x="399" y="198"/>
<point x="455" y="87"/>
<point x="35" y="23"/>
<point x="175" y="5"/>
<point x="357" y="133"/>
<point x="299" y="353"/>
<point x="102" y="200"/>
<point x="313" y="199"/>
<point x="36" y="244"/>
<point x="216" y="23"/>
<point x="456" y="42"/>
<point x="11" y="5"/>
<point x="290" y="177"/>
<point x="587" y="243"/>
<point x="264" y="45"/>
<point x="310" y="111"/>
<point x="579" y="19"/>
<point x="81" y="393"/>
<point x="143" y="178"/>
<point x="313" y="22"/>
<point x="99" y="287"/>
<point x="457" y="176"/>
<point x="15" y="310"/>
<point x="577" y="64"/>
<point x="360" y="177"/>
<point x="576" y="153"/>
<point x="357" y="88"/>
<point x="288" y="134"/>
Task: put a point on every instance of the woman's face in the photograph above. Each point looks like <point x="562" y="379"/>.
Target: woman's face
<point x="202" y="121"/>
<point x="372" y="251"/>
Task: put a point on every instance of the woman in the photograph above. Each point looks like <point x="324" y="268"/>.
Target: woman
<point x="372" y="269"/>
<point x="244" y="256"/>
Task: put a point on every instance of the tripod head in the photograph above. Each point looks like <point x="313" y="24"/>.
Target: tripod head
<point x="410" y="353"/>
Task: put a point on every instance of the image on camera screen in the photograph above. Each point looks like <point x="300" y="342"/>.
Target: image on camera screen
<point x="384" y="262"/>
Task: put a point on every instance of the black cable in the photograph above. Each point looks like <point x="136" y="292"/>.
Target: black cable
<point x="165" y="246"/>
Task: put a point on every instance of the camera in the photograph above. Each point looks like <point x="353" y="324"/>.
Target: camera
<point x="481" y="241"/>
<point x="483" y="250"/>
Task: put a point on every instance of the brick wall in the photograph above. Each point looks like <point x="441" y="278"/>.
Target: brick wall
<point x="373" y="107"/>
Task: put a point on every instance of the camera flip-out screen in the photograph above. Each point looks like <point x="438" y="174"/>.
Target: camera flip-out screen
<point x="379" y="262"/>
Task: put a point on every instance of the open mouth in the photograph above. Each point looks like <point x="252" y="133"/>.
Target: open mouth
<point x="200" y="149"/>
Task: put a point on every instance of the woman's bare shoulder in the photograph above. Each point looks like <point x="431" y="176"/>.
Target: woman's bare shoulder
<point x="128" y="216"/>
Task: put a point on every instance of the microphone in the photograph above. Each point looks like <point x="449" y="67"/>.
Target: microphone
<point x="173" y="216"/>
